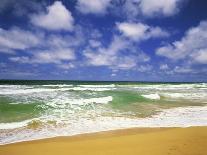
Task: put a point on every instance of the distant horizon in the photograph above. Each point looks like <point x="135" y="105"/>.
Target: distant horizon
<point x="102" y="81"/>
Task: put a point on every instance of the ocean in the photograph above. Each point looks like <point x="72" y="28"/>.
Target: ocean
<point x="41" y="109"/>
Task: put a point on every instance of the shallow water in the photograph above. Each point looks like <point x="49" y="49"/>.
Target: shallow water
<point x="42" y="106"/>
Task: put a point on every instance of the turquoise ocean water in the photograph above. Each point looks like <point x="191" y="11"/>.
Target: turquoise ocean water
<point x="31" y="106"/>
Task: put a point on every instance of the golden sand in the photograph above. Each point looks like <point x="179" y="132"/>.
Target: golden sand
<point x="155" y="141"/>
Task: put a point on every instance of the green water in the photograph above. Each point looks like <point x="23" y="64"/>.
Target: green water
<point x="23" y="100"/>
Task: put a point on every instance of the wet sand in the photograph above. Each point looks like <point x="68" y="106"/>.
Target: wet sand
<point x="142" y="141"/>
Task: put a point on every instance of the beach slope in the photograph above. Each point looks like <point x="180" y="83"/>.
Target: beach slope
<point x="148" y="141"/>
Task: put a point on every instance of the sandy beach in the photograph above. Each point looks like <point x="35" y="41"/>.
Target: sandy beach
<point x="145" y="141"/>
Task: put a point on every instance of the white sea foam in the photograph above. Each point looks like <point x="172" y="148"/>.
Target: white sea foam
<point x="64" y="101"/>
<point x="81" y="108"/>
<point x="57" y="85"/>
<point x="92" y="88"/>
<point x="28" y="90"/>
<point x="152" y="96"/>
<point x="176" y="117"/>
<point x="99" y="100"/>
<point x="202" y="96"/>
<point x="98" y="86"/>
<point x="14" y="125"/>
<point x="170" y="86"/>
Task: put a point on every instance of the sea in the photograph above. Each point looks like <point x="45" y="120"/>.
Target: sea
<point x="41" y="109"/>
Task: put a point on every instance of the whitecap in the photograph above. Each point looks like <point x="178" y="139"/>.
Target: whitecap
<point x="152" y="96"/>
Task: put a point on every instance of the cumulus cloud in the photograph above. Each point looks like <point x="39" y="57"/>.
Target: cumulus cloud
<point x="140" y="31"/>
<point x="144" y="68"/>
<point x="130" y="8"/>
<point x="54" y="56"/>
<point x="94" y="43"/>
<point x="164" y="67"/>
<point x="105" y="56"/>
<point x="66" y="66"/>
<point x="66" y="40"/>
<point x="43" y="57"/>
<point x="163" y="7"/>
<point x="192" y="46"/>
<point x="200" y="56"/>
<point x="18" y="39"/>
<point x="37" y="47"/>
<point x="113" y="57"/>
<point x="183" y="70"/>
<point x="93" y="6"/>
<point x="57" y="17"/>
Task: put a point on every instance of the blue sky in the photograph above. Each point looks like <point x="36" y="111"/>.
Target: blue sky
<point x="130" y="40"/>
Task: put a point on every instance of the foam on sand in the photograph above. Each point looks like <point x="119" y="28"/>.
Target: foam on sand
<point x="176" y="117"/>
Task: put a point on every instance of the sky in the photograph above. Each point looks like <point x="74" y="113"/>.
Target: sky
<point x="104" y="40"/>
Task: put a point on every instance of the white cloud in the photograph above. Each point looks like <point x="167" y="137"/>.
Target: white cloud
<point x="94" y="43"/>
<point x="17" y="39"/>
<point x="38" y="48"/>
<point x="140" y="31"/>
<point x="113" y="74"/>
<point x="183" y="70"/>
<point x="66" y="66"/>
<point x="93" y="6"/>
<point x="20" y="59"/>
<point x="163" y="7"/>
<point x="164" y="67"/>
<point x="57" y="17"/>
<point x="42" y="57"/>
<point x="131" y="9"/>
<point x="133" y="30"/>
<point x="54" y="56"/>
<point x="66" y="40"/>
<point x="200" y="56"/>
<point x="112" y="55"/>
<point x="192" y="46"/>
<point x="157" y="32"/>
<point x="144" y="68"/>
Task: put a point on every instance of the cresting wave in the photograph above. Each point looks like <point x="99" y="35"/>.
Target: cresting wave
<point x="176" y="117"/>
<point x="152" y="96"/>
<point x="64" y="101"/>
<point x="8" y="90"/>
<point x="185" y="96"/>
<point x="41" y="110"/>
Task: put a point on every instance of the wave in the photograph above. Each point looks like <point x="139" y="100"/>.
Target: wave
<point x="14" y="125"/>
<point x="27" y="90"/>
<point x="175" y="117"/>
<point x="152" y="96"/>
<point x="160" y="87"/>
<point x="63" y="101"/>
<point x="98" y="86"/>
<point x="202" y="96"/>
<point x="91" y="88"/>
<point x="57" y="85"/>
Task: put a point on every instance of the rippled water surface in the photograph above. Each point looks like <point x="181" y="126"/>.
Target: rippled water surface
<point x="50" y="108"/>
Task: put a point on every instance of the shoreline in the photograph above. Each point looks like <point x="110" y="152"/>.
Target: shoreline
<point x="180" y="117"/>
<point x="98" y="134"/>
<point x="190" y="140"/>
